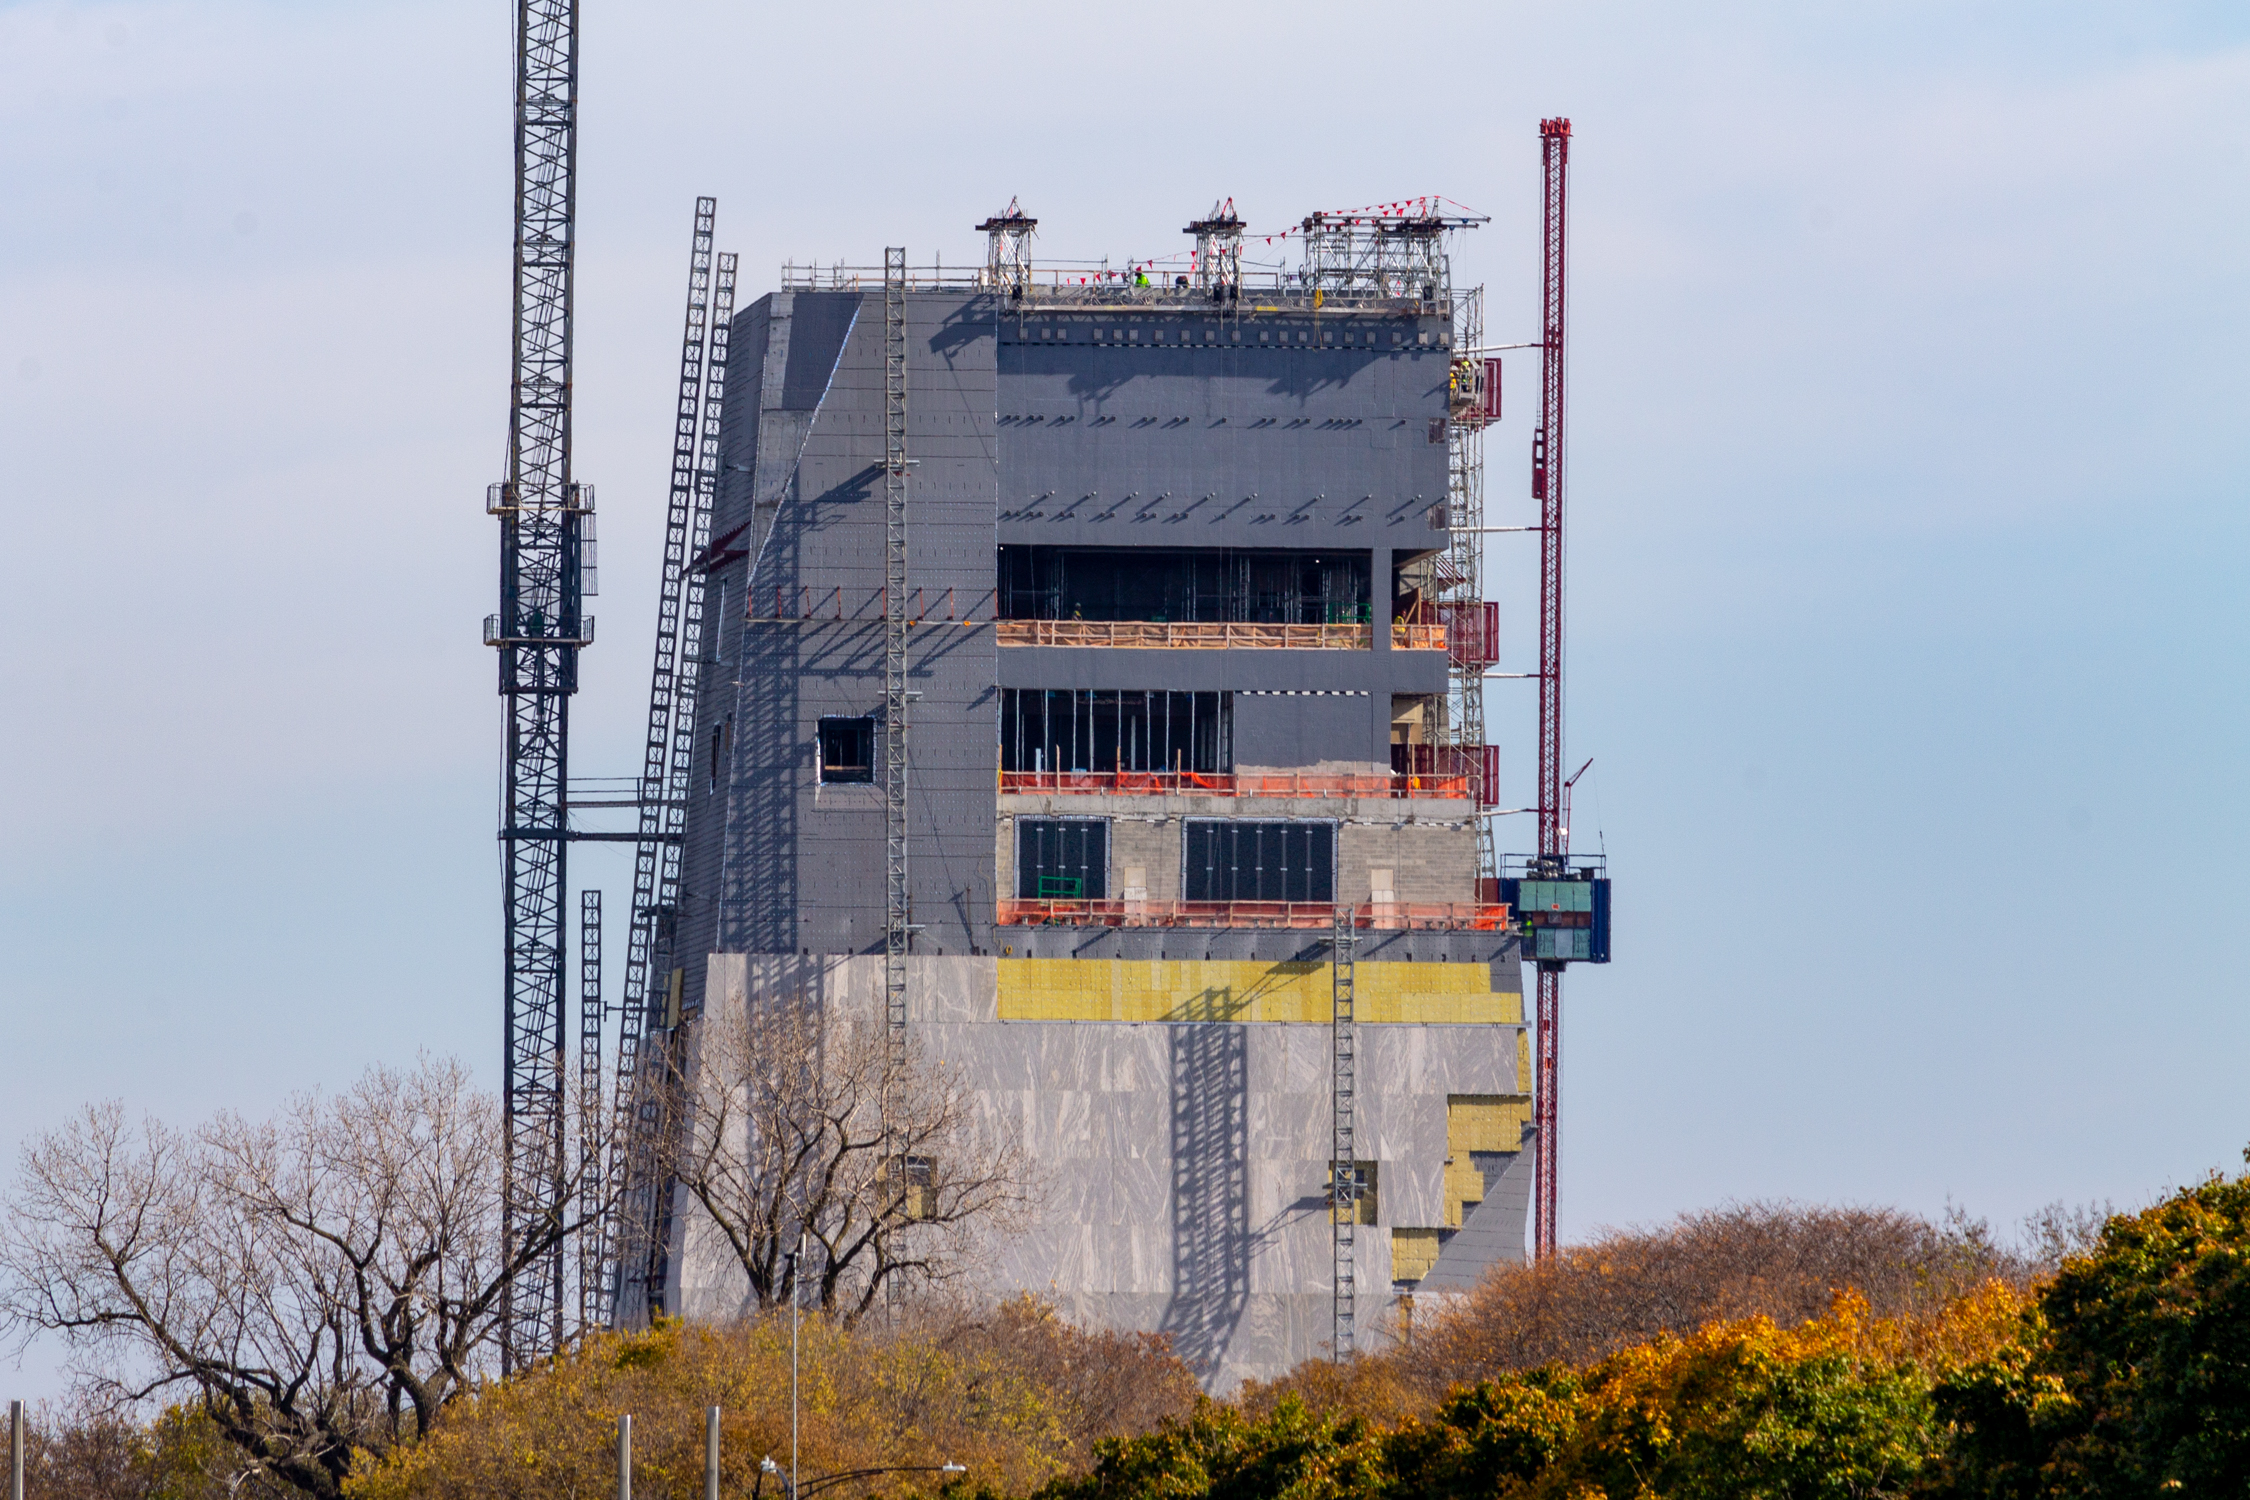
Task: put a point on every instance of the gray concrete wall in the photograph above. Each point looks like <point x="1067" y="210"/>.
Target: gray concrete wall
<point x="775" y="861"/>
<point x="1186" y="1164"/>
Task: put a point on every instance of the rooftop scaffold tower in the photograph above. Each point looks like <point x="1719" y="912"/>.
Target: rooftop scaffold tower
<point x="538" y="632"/>
<point x="1008" y="259"/>
<point x="1395" y="253"/>
<point x="1218" y="249"/>
<point x="631" y="1240"/>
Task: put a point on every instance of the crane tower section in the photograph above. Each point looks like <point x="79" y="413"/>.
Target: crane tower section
<point x="538" y="632"/>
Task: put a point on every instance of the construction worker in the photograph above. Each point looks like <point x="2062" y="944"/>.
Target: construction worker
<point x="1140" y="276"/>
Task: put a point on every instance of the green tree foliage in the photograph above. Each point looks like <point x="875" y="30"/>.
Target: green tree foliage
<point x="1839" y="1408"/>
<point x="2132" y="1375"/>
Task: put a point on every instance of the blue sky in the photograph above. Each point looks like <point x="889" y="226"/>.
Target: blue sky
<point x="1907" y="464"/>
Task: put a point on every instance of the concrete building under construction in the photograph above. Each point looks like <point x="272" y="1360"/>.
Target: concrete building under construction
<point x="1093" y="675"/>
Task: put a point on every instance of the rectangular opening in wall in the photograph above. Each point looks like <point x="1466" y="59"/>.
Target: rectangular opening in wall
<point x="1062" y="859"/>
<point x="1357" y="1203"/>
<point x="1230" y="859"/>
<point x="1113" y="729"/>
<point x="1184" y="586"/>
<point x="847" y="751"/>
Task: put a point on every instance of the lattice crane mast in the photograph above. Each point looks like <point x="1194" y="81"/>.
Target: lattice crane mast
<point x="1547" y="489"/>
<point x="538" y="632"/>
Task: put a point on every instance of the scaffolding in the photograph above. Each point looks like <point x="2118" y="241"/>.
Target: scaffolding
<point x="593" y="1282"/>
<point x="1344" y="1186"/>
<point x="1007" y="265"/>
<point x="1461" y="570"/>
<point x="1398" y="257"/>
<point x="897" y="933"/>
<point x="1217" y="265"/>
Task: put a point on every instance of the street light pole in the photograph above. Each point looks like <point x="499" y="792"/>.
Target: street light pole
<point x="796" y="1323"/>
<point x="711" y="1453"/>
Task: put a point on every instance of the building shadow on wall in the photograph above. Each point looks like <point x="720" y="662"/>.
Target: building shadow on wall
<point x="758" y="888"/>
<point x="1210" y="1190"/>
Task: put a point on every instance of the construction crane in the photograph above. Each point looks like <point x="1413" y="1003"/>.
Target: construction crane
<point x="632" y="1241"/>
<point x="538" y="632"/>
<point x="1547" y="489"/>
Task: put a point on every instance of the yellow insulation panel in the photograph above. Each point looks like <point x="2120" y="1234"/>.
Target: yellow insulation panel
<point x="1075" y="989"/>
<point x="1477" y="1122"/>
<point x="1484" y="1122"/>
<point x="1413" y="1253"/>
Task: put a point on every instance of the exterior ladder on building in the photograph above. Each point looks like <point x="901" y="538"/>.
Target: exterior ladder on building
<point x="1344" y="1186"/>
<point x="897" y="914"/>
<point x="628" y="1243"/>
<point x="593" y="1019"/>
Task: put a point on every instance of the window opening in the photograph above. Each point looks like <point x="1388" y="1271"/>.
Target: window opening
<point x="1164" y="586"/>
<point x="1115" y="729"/>
<point x="1230" y="859"/>
<point x="1062" y="859"/>
<point x="847" y="751"/>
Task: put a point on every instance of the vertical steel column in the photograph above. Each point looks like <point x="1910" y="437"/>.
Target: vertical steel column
<point x="625" y="1247"/>
<point x="593" y="1286"/>
<point x="1343" y="1165"/>
<point x="1547" y="488"/>
<point x="538" y="632"/>
<point x="898" y="913"/>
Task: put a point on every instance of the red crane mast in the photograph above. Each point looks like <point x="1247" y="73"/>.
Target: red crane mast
<point x="1547" y="488"/>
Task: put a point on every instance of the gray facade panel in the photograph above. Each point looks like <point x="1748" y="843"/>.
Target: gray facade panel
<point x="1378" y="672"/>
<point x="1297" y="729"/>
<point x="1192" y="429"/>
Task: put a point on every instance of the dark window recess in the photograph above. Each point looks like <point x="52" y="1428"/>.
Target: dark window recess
<point x="1212" y="585"/>
<point x="847" y="751"/>
<point x="1107" y="729"/>
<point x="722" y="740"/>
<point x="1062" y="859"/>
<point x="1229" y="860"/>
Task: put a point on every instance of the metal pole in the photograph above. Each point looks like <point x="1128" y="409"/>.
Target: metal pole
<point x="796" y="1323"/>
<point x="710" y="1453"/>
<point x="15" y="1450"/>
<point x="625" y="1457"/>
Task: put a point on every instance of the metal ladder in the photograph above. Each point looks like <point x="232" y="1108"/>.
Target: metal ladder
<point x="1344" y="1187"/>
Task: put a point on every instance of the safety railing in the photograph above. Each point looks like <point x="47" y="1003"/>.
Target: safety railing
<point x="1216" y="635"/>
<point x="1226" y="784"/>
<point x="1184" y="635"/>
<point x="1417" y="637"/>
<point x="1387" y="916"/>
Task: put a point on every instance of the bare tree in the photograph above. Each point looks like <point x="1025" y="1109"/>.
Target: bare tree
<point x="325" y="1281"/>
<point x="795" y="1116"/>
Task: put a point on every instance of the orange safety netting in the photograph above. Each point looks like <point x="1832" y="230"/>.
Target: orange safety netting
<point x="1401" y="916"/>
<point x="1220" y="784"/>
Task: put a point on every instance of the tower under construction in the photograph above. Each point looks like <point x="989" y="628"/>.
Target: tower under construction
<point x="1092" y="687"/>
